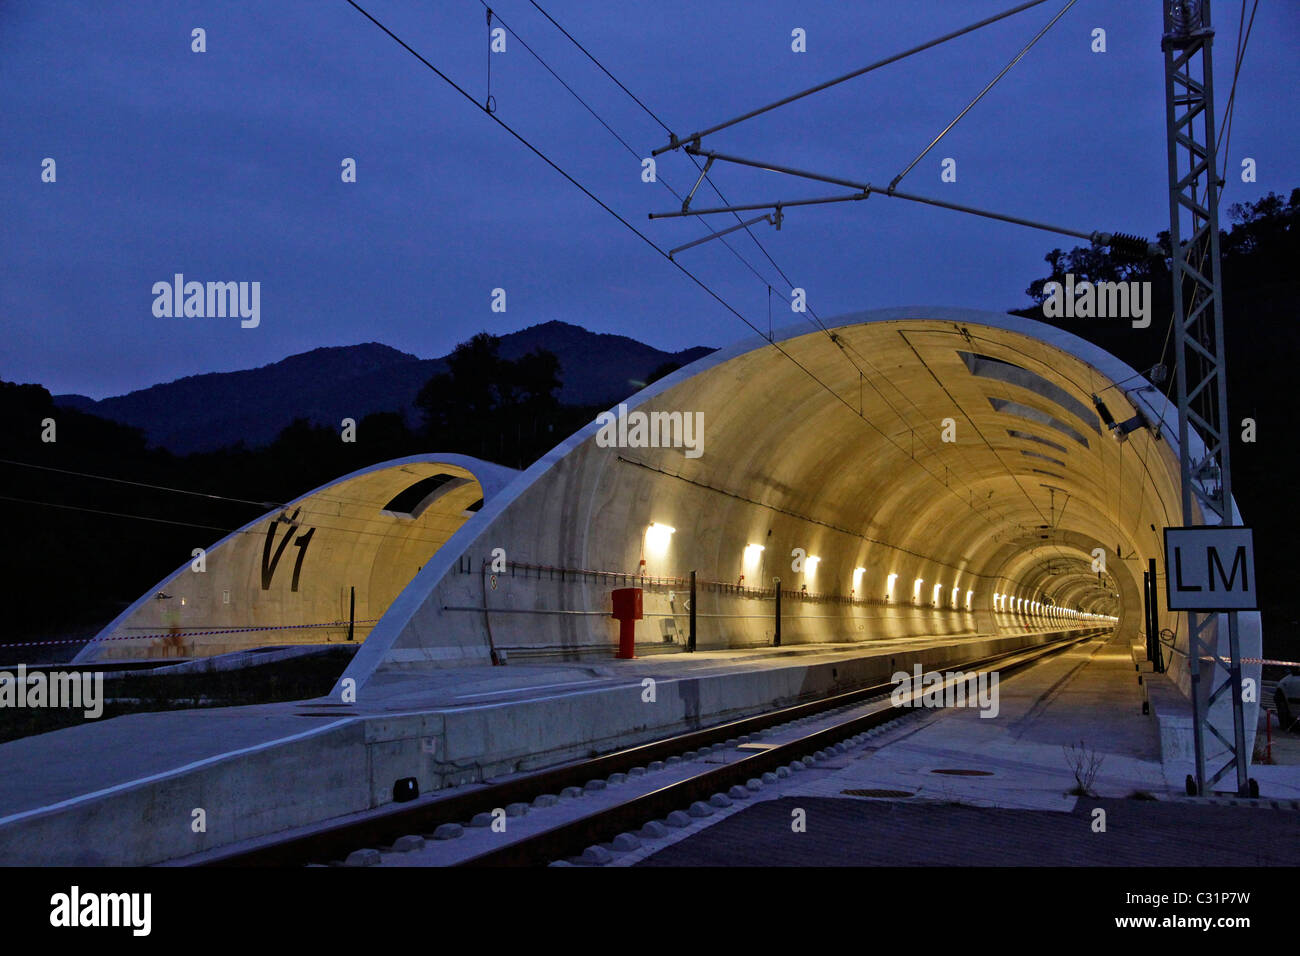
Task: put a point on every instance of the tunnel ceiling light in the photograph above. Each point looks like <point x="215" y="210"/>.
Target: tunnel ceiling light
<point x="916" y="589"/>
<point x="955" y="591"/>
<point x="753" y="552"/>
<point x="969" y="596"/>
<point x="934" y="594"/>
<point x="1121" y="431"/>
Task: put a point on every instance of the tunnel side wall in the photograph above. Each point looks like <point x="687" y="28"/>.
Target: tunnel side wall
<point x="554" y="595"/>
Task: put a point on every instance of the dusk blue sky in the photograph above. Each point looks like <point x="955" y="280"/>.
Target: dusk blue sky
<point x="225" y="165"/>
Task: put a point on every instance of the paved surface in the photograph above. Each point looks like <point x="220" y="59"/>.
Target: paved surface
<point x="465" y="686"/>
<point x="1019" y="809"/>
<point x="855" y="832"/>
<point x="109" y="753"/>
<point x="1087" y="699"/>
<point x="77" y="760"/>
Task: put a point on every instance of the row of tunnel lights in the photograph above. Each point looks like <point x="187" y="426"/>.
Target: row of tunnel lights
<point x="659" y="536"/>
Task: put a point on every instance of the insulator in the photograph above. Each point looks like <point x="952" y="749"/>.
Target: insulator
<point x="1129" y="247"/>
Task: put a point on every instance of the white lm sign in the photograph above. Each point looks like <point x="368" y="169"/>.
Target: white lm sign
<point x="1210" y="568"/>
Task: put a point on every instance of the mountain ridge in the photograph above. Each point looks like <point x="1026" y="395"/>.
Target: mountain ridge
<point x="211" y="410"/>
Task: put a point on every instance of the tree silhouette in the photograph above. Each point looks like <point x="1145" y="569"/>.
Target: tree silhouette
<point x="492" y="407"/>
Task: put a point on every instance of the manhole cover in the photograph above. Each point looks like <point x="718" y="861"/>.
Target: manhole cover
<point x="878" y="793"/>
<point x="965" y="773"/>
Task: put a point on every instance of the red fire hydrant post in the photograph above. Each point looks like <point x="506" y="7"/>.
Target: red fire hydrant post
<point x="627" y="610"/>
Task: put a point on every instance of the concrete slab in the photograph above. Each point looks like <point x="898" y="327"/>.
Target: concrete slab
<point x="1021" y="812"/>
<point x="259" y="770"/>
<point x="1088" y="695"/>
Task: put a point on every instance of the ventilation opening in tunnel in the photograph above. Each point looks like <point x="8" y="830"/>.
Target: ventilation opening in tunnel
<point x="985" y="366"/>
<point x="1026" y="436"/>
<point x="1034" y="415"/>
<point x="415" y="498"/>
<point x="1042" y="457"/>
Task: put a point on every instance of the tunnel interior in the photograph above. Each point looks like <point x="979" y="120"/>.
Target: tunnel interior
<point x="902" y="473"/>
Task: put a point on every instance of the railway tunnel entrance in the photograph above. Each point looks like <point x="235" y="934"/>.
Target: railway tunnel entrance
<point x="903" y="473"/>
<point x="920" y="486"/>
<point x="322" y="569"/>
<point x="900" y="475"/>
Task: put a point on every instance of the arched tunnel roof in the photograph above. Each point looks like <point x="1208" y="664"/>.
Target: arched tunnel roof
<point x="955" y="447"/>
<point x="370" y="530"/>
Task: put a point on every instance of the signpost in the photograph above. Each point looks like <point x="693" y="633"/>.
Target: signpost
<point x="1210" y="568"/>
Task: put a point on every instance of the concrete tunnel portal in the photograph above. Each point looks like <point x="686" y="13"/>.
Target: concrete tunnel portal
<point x="303" y="573"/>
<point x="910" y="472"/>
<point x="830" y="444"/>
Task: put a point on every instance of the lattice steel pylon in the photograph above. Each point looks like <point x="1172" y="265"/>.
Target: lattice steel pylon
<point x="1198" y="343"/>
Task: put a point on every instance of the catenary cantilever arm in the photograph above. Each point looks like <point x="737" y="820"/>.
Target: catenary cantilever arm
<point x="865" y="190"/>
<point x="675" y="142"/>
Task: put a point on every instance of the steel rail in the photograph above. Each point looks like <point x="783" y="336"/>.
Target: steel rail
<point x="572" y="838"/>
<point x="335" y="842"/>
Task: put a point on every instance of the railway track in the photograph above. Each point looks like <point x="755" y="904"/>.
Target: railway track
<point x="334" y="843"/>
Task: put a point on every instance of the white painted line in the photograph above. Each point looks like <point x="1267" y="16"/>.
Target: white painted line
<point x="516" y="690"/>
<point x="534" y="700"/>
<point x="206" y="761"/>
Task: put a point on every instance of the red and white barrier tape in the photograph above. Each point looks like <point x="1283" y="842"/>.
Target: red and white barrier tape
<point x="231" y="630"/>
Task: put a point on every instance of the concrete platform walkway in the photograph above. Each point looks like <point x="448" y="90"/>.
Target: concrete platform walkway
<point x="261" y="769"/>
<point x="1086" y="698"/>
<point x="98" y="754"/>
<point x="950" y="788"/>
